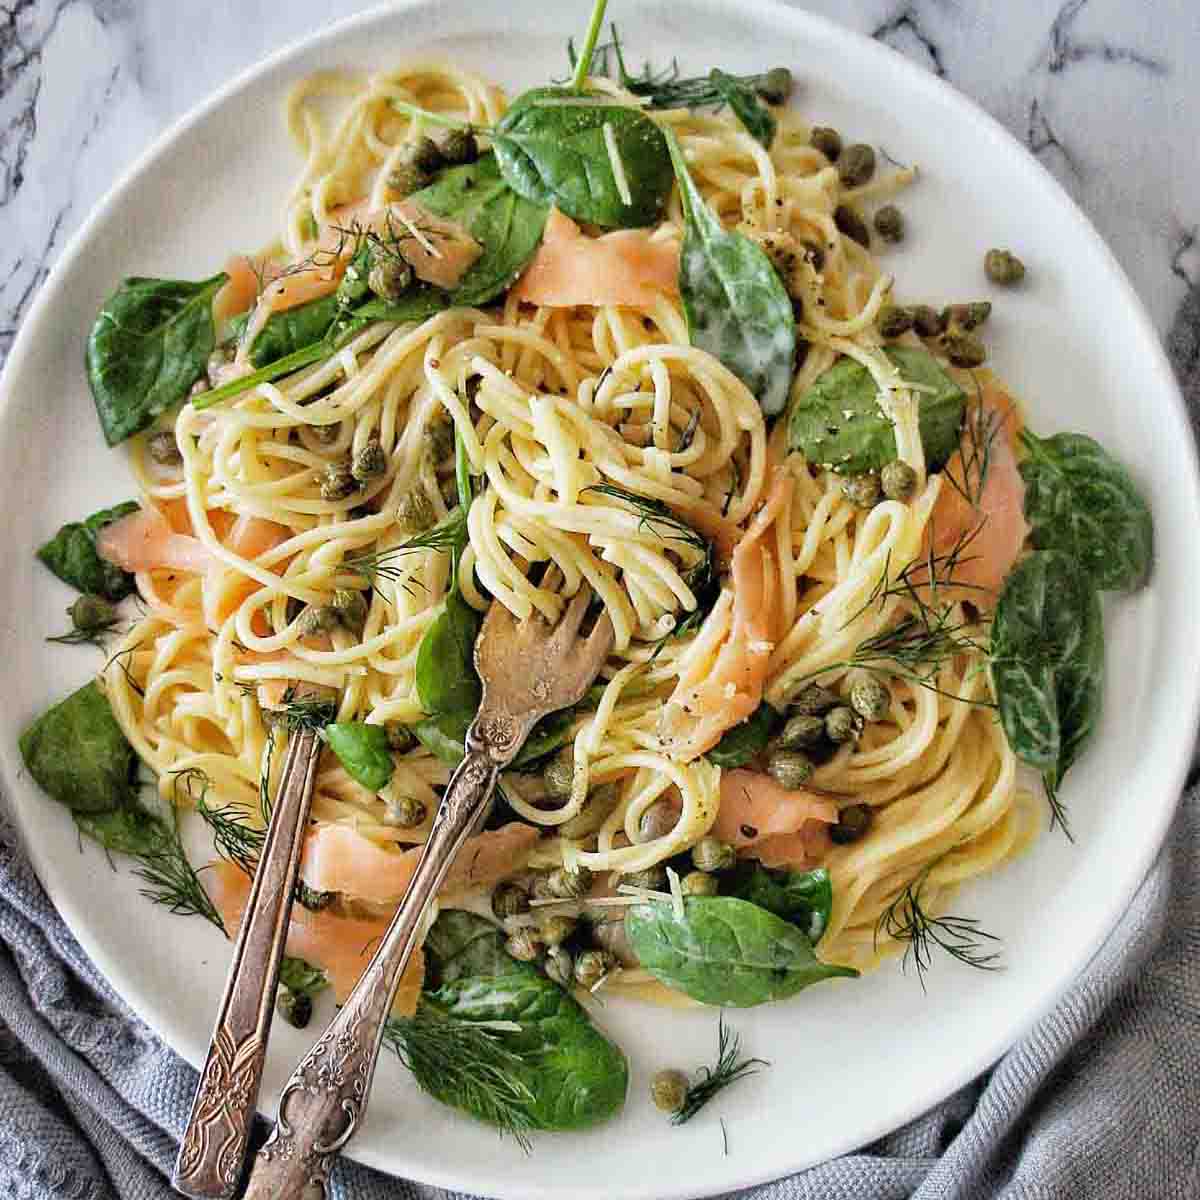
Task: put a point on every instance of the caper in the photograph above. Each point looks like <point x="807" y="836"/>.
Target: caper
<point x="439" y="438"/>
<point x="802" y="732"/>
<point x="611" y="936"/>
<point x="406" y="178"/>
<point x="570" y="883"/>
<point x="889" y="223"/>
<point x="326" y="434"/>
<point x="856" y="165"/>
<point x="91" y="613"/>
<point x="294" y="1007"/>
<point x="898" y="480"/>
<point x="338" y="481"/>
<point x="540" y="886"/>
<point x="668" y="1090"/>
<point x="852" y="823"/>
<point x="425" y="155"/>
<point x="460" y="146"/>
<point x="894" y="320"/>
<point x="815" y="700"/>
<point x="404" y="812"/>
<point x="400" y="738"/>
<point x="560" y="966"/>
<point x="311" y="899"/>
<point x="164" y="449"/>
<point x="558" y="775"/>
<point x="524" y="945"/>
<point x="653" y="879"/>
<point x="790" y="769"/>
<point x="1003" y="267"/>
<point x="861" y="490"/>
<point x="591" y="966"/>
<point x="390" y="277"/>
<point x="828" y="141"/>
<point x="870" y="698"/>
<point x="555" y="930"/>
<point x="927" y="321"/>
<point x="712" y="855"/>
<point x="415" y="512"/>
<point x="319" y="618"/>
<point x="509" y="900"/>
<point x="841" y="724"/>
<point x="964" y="349"/>
<point x="351" y="607"/>
<point x="600" y="802"/>
<point x="967" y="316"/>
<point x="699" y="883"/>
<point x="370" y="462"/>
<point x="852" y="225"/>
<point x="657" y="821"/>
<point x="776" y="85"/>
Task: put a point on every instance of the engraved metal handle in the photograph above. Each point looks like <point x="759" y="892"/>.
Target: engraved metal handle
<point x="324" y="1100"/>
<point x="217" y="1136"/>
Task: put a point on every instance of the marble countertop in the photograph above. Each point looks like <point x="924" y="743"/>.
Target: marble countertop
<point x="1102" y="91"/>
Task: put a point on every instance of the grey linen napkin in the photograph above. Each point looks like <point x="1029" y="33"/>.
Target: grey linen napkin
<point x="1099" y="1099"/>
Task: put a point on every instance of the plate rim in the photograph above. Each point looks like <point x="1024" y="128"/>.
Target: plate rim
<point x="1147" y="337"/>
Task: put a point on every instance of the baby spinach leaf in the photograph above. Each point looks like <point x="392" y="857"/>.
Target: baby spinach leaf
<point x="756" y="118"/>
<point x="124" y="831"/>
<point x="1080" y="500"/>
<point x="507" y="225"/>
<point x="805" y="898"/>
<point x="301" y="977"/>
<point x="149" y="344"/>
<point x="363" y="750"/>
<point x="447" y="683"/>
<point x="725" y="951"/>
<point x="736" y="305"/>
<point x="552" y="148"/>
<point x="444" y="736"/>
<point x="572" y="1076"/>
<point x="1048" y="661"/>
<point x="747" y="740"/>
<point x="461" y="944"/>
<point x="838" y="423"/>
<point x="293" y="329"/>
<point x="78" y="755"/>
<point x="71" y="555"/>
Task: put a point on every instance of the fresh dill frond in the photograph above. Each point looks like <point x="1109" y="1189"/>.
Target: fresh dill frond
<point x="299" y="711"/>
<point x="90" y="637"/>
<point x="960" y="937"/>
<point x="448" y="535"/>
<point x="172" y="881"/>
<point x="119" y="659"/>
<point x="980" y="427"/>
<point x="234" y="838"/>
<point x="729" y="1068"/>
<point x="1058" y="810"/>
<point x="471" y="1063"/>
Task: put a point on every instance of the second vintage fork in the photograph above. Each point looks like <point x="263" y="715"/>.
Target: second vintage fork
<point x="528" y="669"/>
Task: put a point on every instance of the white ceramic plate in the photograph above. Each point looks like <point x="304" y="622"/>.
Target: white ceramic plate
<point x="850" y="1060"/>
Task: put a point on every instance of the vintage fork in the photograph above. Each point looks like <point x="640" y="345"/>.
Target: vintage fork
<point x="528" y="669"/>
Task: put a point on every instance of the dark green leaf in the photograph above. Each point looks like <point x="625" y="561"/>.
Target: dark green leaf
<point x="447" y="683"/>
<point x="78" y="754"/>
<point x="444" y="736"/>
<point x="301" y="977"/>
<point x="1080" y="500"/>
<point x="71" y="555"/>
<point x="736" y="305"/>
<point x="124" y="831"/>
<point x="363" y="750"/>
<point x="838" y="423"/>
<point x="747" y="740"/>
<point x="461" y="944"/>
<point x="805" y="898"/>
<point x="507" y="225"/>
<point x="756" y="118"/>
<point x="574" y="1076"/>
<point x="149" y="344"/>
<point x="293" y="329"/>
<point x="1048" y="661"/>
<point x="725" y="951"/>
<point x="552" y="149"/>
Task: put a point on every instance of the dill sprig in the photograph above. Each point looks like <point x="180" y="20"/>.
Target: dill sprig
<point x="92" y="637"/>
<point x="1058" y="810"/>
<point x="960" y="937"/>
<point x="170" y="879"/>
<point x="469" y="1061"/>
<point x="234" y="838"/>
<point x="448" y="535"/>
<point x="119" y="659"/>
<point x="980" y="428"/>
<point x="299" y="711"/>
<point x="729" y="1069"/>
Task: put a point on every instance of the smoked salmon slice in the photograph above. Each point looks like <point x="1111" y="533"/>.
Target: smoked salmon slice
<point x="772" y="822"/>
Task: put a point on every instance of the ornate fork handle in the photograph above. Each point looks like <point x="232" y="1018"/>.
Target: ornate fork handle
<point x="324" y="1100"/>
